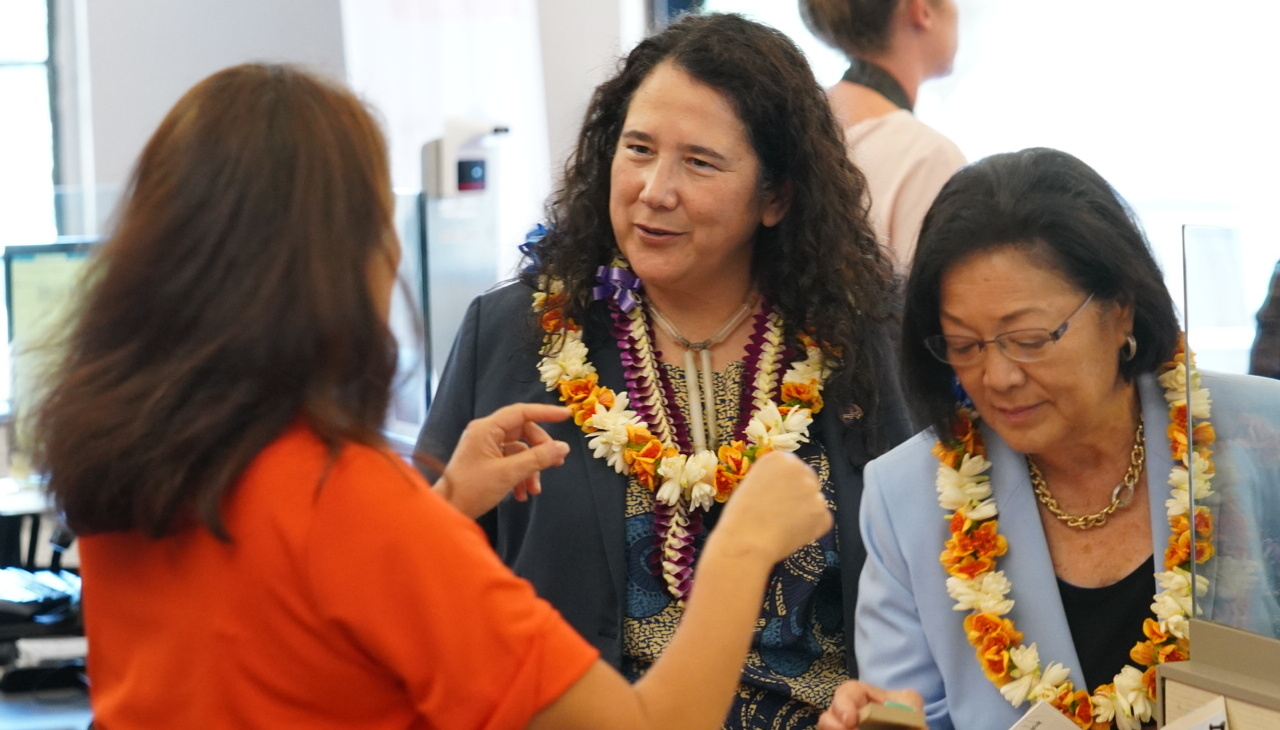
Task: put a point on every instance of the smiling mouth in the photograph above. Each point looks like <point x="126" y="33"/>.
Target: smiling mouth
<point x="1015" y="413"/>
<point x="651" y="231"/>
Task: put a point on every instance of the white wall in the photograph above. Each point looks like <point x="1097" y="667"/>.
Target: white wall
<point x="582" y="43"/>
<point x="143" y="54"/>
<point x="422" y="63"/>
<point x="528" y="64"/>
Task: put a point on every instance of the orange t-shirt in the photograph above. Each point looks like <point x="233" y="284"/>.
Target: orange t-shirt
<point x="356" y="598"/>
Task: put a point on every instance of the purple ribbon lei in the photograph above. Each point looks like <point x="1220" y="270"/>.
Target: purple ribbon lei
<point x="618" y="284"/>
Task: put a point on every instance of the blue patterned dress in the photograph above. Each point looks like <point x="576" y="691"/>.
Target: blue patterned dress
<point x="797" y="656"/>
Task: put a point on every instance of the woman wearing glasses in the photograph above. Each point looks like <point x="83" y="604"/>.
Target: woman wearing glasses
<point x="1040" y="548"/>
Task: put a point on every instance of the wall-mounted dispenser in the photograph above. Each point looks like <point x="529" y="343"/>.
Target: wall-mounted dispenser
<point x="459" y="161"/>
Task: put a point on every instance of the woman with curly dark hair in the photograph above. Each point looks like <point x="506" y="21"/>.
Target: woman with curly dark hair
<point x="708" y="290"/>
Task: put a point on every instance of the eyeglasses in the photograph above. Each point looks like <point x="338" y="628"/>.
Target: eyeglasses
<point x="1019" y="345"/>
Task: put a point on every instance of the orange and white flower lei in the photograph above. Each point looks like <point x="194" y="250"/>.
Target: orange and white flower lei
<point x="783" y="408"/>
<point x="970" y="559"/>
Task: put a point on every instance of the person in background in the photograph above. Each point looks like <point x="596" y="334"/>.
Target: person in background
<point x="254" y="554"/>
<point x="708" y="290"/>
<point x="1264" y="358"/>
<point x="1036" y="541"/>
<point x="893" y="47"/>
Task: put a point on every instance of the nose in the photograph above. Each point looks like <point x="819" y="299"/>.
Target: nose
<point x="999" y="371"/>
<point x="659" y="189"/>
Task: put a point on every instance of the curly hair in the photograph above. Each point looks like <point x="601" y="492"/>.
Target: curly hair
<point x="1063" y="213"/>
<point x="820" y="266"/>
<point x="855" y="27"/>
<point x="230" y="300"/>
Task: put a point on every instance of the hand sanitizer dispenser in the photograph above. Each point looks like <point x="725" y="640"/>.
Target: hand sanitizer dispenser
<point x="458" y="162"/>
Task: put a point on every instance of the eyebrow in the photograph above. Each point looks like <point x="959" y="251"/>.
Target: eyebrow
<point x="1005" y="320"/>
<point x="697" y="149"/>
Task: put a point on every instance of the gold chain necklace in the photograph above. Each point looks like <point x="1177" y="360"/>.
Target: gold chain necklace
<point x="1120" y="496"/>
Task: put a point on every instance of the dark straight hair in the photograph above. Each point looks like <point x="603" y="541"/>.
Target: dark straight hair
<point x="1063" y="213"/>
<point x="232" y="298"/>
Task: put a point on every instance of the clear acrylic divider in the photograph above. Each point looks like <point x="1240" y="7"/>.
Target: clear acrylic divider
<point x="1233" y="450"/>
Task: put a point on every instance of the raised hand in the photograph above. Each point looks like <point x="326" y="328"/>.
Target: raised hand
<point x="778" y="508"/>
<point x="501" y="453"/>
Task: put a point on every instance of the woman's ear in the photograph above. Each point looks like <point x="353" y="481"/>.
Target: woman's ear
<point x="1120" y="315"/>
<point x="776" y="204"/>
<point x="919" y="13"/>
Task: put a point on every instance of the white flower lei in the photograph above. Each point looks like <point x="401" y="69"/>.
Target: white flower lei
<point x="966" y="490"/>
<point x="688" y="481"/>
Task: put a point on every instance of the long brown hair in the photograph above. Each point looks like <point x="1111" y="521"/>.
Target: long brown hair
<point x="231" y="299"/>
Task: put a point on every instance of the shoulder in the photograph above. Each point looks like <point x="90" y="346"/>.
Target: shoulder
<point x="300" y="452"/>
<point x="1246" y="390"/>
<point x="905" y="132"/>
<point x="505" y="301"/>
<point x="1244" y="406"/>
<point x="298" y="485"/>
<point x="908" y="468"/>
<point x="902" y="154"/>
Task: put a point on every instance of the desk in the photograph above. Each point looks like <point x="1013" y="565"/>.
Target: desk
<point x="20" y="504"/>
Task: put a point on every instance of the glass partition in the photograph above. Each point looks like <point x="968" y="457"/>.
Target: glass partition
<point x="1237" y="475"/>
<point x="410" y="393"/>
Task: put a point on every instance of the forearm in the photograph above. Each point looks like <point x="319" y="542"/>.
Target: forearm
<point x="711" y="645"/>
<point x="776" y="510"/>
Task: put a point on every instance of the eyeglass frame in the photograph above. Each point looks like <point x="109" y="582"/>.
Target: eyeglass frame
<point x="940" y="340"/>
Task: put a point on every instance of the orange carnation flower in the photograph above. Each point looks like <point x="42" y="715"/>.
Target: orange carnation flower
<point x="552" y="317"/>
<point x="804" y="395"/>
<point x="981" y="626"/>
<point x="584" y="411"/>
<point x="1178" y="417"/>
<point x="995" y="660"/>
<point x="948" y="456"/>
<point x="642" y="454"/>
<point x="1143" y="653"/>
<point x="573" y="392"/>
<point x="969" y="437"/>
<point x="984" y="542"/>
<point x="731" y="469"/>
<point x="1151" y="628"/>
<point x="1174" y="652"/>
<point x="1081" y="709"/>
<point x="992" y="636"/>
<point x="1202" y="435"/>
<point x="552" y="320"/>
<point x="987" y="541"/>
<point x="1179" y="550"/>
<point x="970" y="567"/>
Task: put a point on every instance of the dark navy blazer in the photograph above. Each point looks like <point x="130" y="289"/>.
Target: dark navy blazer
<point x="569" y="541"/>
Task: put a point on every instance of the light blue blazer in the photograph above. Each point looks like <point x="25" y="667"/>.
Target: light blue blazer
<point x="908" y="634"/>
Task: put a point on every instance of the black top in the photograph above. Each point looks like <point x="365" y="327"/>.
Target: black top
<point x="1106" y="622"/>
<point x="865" y="73"/>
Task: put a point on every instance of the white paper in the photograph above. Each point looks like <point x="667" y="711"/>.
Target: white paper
<point x="1044" y="716"/>
<point x="1210" y="716"/>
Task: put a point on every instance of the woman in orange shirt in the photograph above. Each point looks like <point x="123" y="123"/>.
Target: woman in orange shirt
<point x="253" y="553"/>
